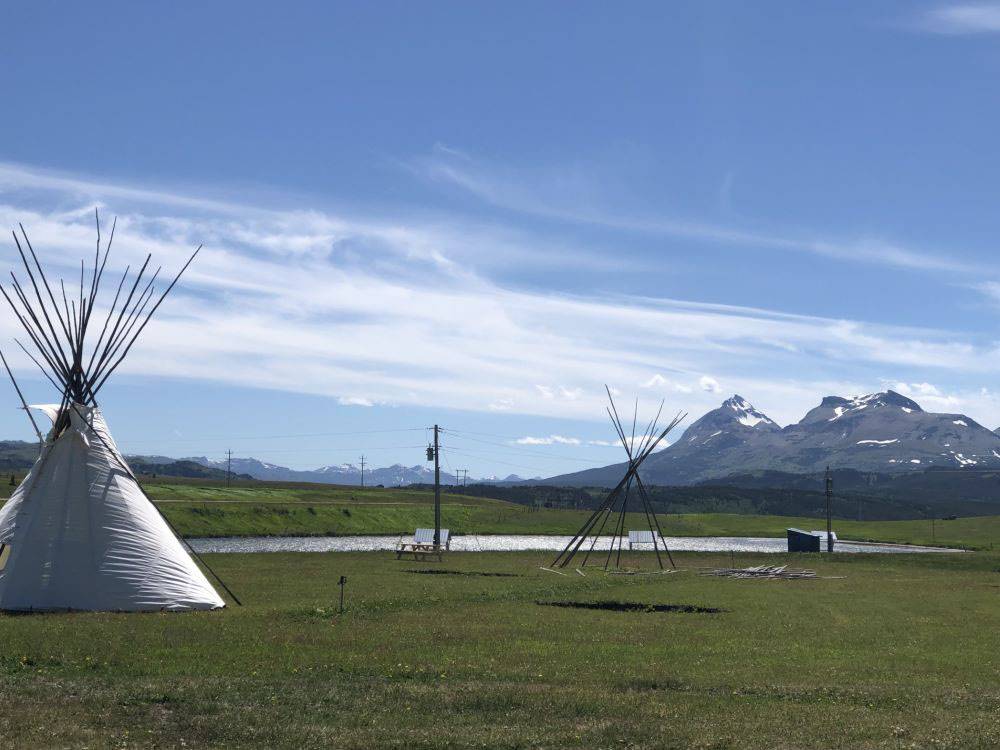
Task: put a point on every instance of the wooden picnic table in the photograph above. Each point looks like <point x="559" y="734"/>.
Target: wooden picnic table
<point x="419" y="551"/>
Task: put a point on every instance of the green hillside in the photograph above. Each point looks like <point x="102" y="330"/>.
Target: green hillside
<point x="210" y="508"/>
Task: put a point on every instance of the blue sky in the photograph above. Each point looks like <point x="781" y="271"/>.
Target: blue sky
<point x="479" y="213"/>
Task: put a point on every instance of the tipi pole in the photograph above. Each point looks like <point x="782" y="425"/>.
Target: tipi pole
<point x="107" y="319"/>
<point x="44" y="371"/>
<point x="103" y="359"/>
<point x="650" y="439"/>
<point x="38" y="294"/>
<point x="593" y="542"/>
<point x="582" y="534"/>
<point x="577" y="541"/>
<point x="24" y="404"/>
<point x="649" y="522"/>
<point x="656" y="520"/>
<point x="619" y="527"/>
<point x="191" y="549"/>
<point x="56" y="363"/>
<point x="144" y="323"/>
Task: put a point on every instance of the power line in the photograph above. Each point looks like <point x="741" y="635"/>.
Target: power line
<point x="282" y="437"/>
<point x="493" y="460"/>
<point x="528" y="451"/>
<point x="298" y="450"/>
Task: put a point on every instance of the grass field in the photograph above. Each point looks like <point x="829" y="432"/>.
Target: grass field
<point x="200" y="508"/>
<point x="903" y="652"/>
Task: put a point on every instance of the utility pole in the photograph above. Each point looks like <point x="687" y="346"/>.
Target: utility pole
<point x="829" y="504"/>
<point x="437" y="489"/>
<point x="464" y="473"/>
<point x="229" y="468"/>
<point x="362" y="471"/>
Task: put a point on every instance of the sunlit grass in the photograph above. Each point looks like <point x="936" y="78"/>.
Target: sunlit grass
<point x="903" y="651"/>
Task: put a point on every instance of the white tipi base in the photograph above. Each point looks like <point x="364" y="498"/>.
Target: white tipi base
<point x="79" y="534"/>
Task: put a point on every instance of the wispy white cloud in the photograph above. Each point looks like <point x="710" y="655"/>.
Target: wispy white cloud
<point x="961" y="19"/>
<point x="573" y="197"/>
<point x="355" y="401"/>
<point x="638" y="440"/>
<point x="989" y="289"/>
<point x="930" y="397"/>
<point x="917" y="389"/>
<point x="660" y="383"/>
<point x="550" y="440"/>
<point x="327" y="303"/>
<point x="711" y="385"/>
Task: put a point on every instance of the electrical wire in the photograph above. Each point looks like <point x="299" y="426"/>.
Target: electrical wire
<point x="462" y="452"/>
<point x="528" y="451"/>
<point x="291" y="435"/>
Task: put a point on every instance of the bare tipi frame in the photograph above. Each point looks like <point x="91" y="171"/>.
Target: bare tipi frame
<point x="59" y="333"/>
<point x="618" y="498"/>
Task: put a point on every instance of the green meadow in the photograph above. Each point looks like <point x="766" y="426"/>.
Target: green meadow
<point x="212" y="509"/>
<point x="894" y="651"/>
<point x="882" y="651"/>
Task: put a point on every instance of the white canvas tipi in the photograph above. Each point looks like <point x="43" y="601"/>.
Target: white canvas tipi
<point x="79" y="533"/>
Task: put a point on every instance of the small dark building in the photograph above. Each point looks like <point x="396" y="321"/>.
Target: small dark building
<point x="802" y="541"/>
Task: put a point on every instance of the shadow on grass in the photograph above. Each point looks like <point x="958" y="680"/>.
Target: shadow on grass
<point x="634" y="607"/>
<point x="436" y="572"/>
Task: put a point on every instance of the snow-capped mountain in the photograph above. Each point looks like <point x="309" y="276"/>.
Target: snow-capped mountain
<point x="733" y="422"/>
<point x="879" y="432"/>
<point x="885" y="432"/>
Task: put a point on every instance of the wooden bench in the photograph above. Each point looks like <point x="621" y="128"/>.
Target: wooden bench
<point x="423" y="547"/>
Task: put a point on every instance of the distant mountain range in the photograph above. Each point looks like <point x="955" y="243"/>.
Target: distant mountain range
<point x="17" y="455"/>
<point x="877" y="439"/>
<point x="388" y="476"/>
<point x="884" y="433"/>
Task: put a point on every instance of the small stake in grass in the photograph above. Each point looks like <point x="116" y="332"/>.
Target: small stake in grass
<point x="341" y="582"/>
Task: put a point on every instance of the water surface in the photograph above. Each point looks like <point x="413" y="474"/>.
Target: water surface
<point x="521" y="543"/>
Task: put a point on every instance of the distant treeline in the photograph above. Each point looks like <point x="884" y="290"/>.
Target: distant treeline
<point x="887" y="498"/>
<point x="189" y="469"/>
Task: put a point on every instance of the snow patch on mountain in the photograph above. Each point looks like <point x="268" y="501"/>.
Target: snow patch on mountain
<point x="745" y="412"/>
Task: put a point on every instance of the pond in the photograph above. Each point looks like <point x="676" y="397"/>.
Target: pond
<point x="520" y="543"/>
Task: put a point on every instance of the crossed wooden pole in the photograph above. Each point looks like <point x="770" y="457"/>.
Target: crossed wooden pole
<point x="650" y="438"/>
